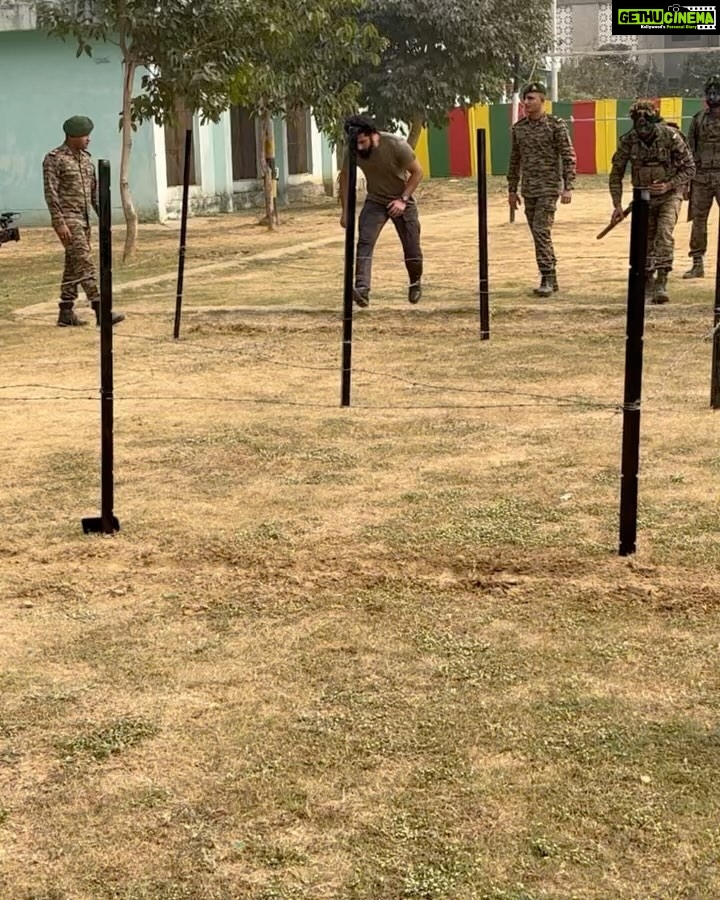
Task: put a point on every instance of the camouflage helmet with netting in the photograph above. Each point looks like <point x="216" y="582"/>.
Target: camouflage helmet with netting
<point x="712" y="81"/>
<point x="646" y="109"/>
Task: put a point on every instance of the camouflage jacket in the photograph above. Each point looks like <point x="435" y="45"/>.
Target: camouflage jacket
<point x="543" y="153"/>
<point x="704" y="140"/>
<point x="666" y="158"/>
<point x="70" y="185"/>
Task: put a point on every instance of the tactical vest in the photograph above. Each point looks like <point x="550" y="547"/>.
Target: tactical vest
<point x="707" y="146"/>
<point x="653" y="162"/>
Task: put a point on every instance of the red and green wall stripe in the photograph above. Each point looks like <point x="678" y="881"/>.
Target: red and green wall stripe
<point x="594" y="125"/>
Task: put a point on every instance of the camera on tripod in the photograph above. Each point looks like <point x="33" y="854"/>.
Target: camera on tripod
<point x="7" y="231"/>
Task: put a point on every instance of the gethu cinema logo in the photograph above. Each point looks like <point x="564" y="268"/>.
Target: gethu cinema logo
<point x="674" y="15"/>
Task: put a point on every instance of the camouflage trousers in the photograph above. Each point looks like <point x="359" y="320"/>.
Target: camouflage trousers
<point x="702" y="201"/>
<point x="540" y="213"/>
<point x="79" y="265"/>
<point x="661" y="243"/>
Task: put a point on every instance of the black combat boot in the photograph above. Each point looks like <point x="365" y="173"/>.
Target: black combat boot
<point x="698" y="268"/>
<point x="414" y="292"/>
<point x="67" y="317"/>
<point x="649" y="287"/>
<point x="546" y="286"/>
<point x="555" y="285"/>
<point x="116" y="317"/>
<point x="661" y="291"/>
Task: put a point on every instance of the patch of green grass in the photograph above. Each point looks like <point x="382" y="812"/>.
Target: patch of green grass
<point x="154" y="890"/>
<point x="473" y="661"/>
<point x="413" y="858"/>
<point x="277" y="890"/>
<point x="271" y="856"/>
<point x="108" y="740"/>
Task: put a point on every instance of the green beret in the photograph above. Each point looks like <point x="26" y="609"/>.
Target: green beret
<point x="644" y="109"/>
<point x="78" y="126"/>
<point x="535" y="87"/>
<point x="712" y="81"/>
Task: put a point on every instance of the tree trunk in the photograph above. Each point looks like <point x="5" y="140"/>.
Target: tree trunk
<point x="416" y="127"/>
<point x="268" y="165"/>
<point x="131" y="219"/>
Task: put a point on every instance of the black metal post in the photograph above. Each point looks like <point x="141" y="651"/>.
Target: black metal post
<point x="483" y="235"/>
<point x="350" y="202"/>
<point x="715" y="377"/>
<point x="107" y="523"/>
<point x="633" y="371"/>
<point x="183" y="231"/>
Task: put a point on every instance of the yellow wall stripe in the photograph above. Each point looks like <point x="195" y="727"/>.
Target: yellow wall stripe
<point x="423" y="154"/>
<point x="671" y="108"/>
<point x="605" y="134"/>
<point x="479" y="117"/>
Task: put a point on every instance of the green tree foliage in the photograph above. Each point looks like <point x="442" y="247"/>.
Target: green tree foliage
<point x="303" y="57"/>
<point x="268" y="54"/>
<point x="185" y="51"/>
<point x="443" y="52"/>
<point x="695" y="70"/>
<point x="612" y="76"/>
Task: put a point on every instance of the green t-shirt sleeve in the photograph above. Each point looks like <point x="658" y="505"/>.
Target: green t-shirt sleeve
<point x="405" y="153"/>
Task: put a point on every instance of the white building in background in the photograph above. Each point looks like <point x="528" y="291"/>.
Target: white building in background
<point x="49" y="84"/>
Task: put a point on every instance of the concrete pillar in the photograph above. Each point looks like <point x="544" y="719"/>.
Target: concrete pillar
<point x="222" y="160"/>
<point x="329" y="167"/>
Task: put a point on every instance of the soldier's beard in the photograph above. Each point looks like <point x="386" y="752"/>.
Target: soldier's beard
<point x="365" y="153"/>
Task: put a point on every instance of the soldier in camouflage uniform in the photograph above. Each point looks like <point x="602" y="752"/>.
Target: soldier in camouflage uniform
<point x="686" y="192"/>
<point x="661" y="162"/>
<point x="543" y="153"/>
<point x="704" y="140"/>
<point x="70" y="193"/>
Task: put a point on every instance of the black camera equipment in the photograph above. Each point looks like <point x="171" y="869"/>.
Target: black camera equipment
<point x="7" y="230"/>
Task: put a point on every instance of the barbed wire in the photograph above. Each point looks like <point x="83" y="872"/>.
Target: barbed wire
<point x="288" y="259"/>
<point x="295" y="403"/>
<point x="554" y="400"/>
<point x="594" y="406"/>
<point x="707" y="335"/>
<point x="539" y="399"/>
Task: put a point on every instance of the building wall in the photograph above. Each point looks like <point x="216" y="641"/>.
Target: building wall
<point x="17" y="16"/>
<point x="584" y="27"/>
<point x="44" y="84"/>
<point x="56" y="84"/>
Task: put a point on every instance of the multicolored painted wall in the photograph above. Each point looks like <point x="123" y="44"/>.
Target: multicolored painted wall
<point x="595" y="126"/>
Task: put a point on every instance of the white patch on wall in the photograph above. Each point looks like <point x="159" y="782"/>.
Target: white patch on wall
<point x="605" y="35"/>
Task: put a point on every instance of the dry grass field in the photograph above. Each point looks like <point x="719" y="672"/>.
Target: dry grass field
<point x="379" y="653"/>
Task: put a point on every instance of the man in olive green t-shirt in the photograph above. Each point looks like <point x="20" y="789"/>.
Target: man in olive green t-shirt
<point x="392" y="174"/>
